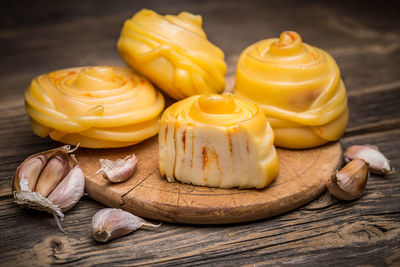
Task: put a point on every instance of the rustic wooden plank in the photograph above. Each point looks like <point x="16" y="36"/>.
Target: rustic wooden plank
<point x="302" y="177"/>
<point x="325" y="232"/>
<point x="374" y="110"/>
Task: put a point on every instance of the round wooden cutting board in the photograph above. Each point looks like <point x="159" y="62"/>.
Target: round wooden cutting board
<point x="302" y="177"/>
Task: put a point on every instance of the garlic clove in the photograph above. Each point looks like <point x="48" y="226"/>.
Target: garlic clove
<point x="119" y="170"/>
<point x="29" y="172"/>
<point x="68" y="192"/>
<point x="52" y="173"/>
<point x="378" y="163"/>
<point x="109" y="223"/>
<point x="349" y="183"/>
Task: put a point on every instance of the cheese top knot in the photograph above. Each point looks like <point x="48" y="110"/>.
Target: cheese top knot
<point x="97" y="107"/>
<point x="298" y="87"/>
<point x="222" y="111"/>
<point x="173" y="52"/>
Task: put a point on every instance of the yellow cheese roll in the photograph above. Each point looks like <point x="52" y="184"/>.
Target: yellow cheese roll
<point x="217" y="141"/>
<point x="98" y="107"/>
<point x="173" y="52"/>
<point x="298" y="87"/>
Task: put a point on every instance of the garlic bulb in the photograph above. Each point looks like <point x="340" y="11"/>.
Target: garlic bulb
<point x="98" y="107"/>
<point x="49" y="181"/>
<point x="173" y="52"/>
<point x="299" y="88"/>
<point x="217" y="141"/>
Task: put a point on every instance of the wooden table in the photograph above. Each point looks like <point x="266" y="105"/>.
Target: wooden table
<point x="41" y="36"/>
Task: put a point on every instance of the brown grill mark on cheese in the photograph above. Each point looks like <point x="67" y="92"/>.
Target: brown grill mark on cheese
<point x="230" y="143"/>
<point x="166" y="133"/>
<point x="218" y="166"/>
<point x="205" y="157"/>
<point x="217" y="160"/>
<point x="175" y="141"/>
<point x="233" y="130"/>
<point x="184" y="140"/>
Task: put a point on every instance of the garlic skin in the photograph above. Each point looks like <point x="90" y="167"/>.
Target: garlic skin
<point x="217" y="141"/>
<point x="109" y="223"/>
<point x="34" y="200"/>
<point x="119" y="170"/>
<point x="49" y="181"/>
<point x="349" y="183"/>
<point x="378" y="163"/>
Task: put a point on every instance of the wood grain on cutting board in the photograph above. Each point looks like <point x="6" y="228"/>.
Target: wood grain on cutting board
<point x="302" y="177"/>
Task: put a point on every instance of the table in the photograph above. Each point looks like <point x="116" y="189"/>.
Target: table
<point x="364" y="37"/>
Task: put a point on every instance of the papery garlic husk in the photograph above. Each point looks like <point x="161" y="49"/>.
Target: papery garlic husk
<point x="349" y="183"/>
<point x="119" y="170"/>
<point x="378" y="163"/>
<point x="50" y="181"/>
<point x="109" y="223"/>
